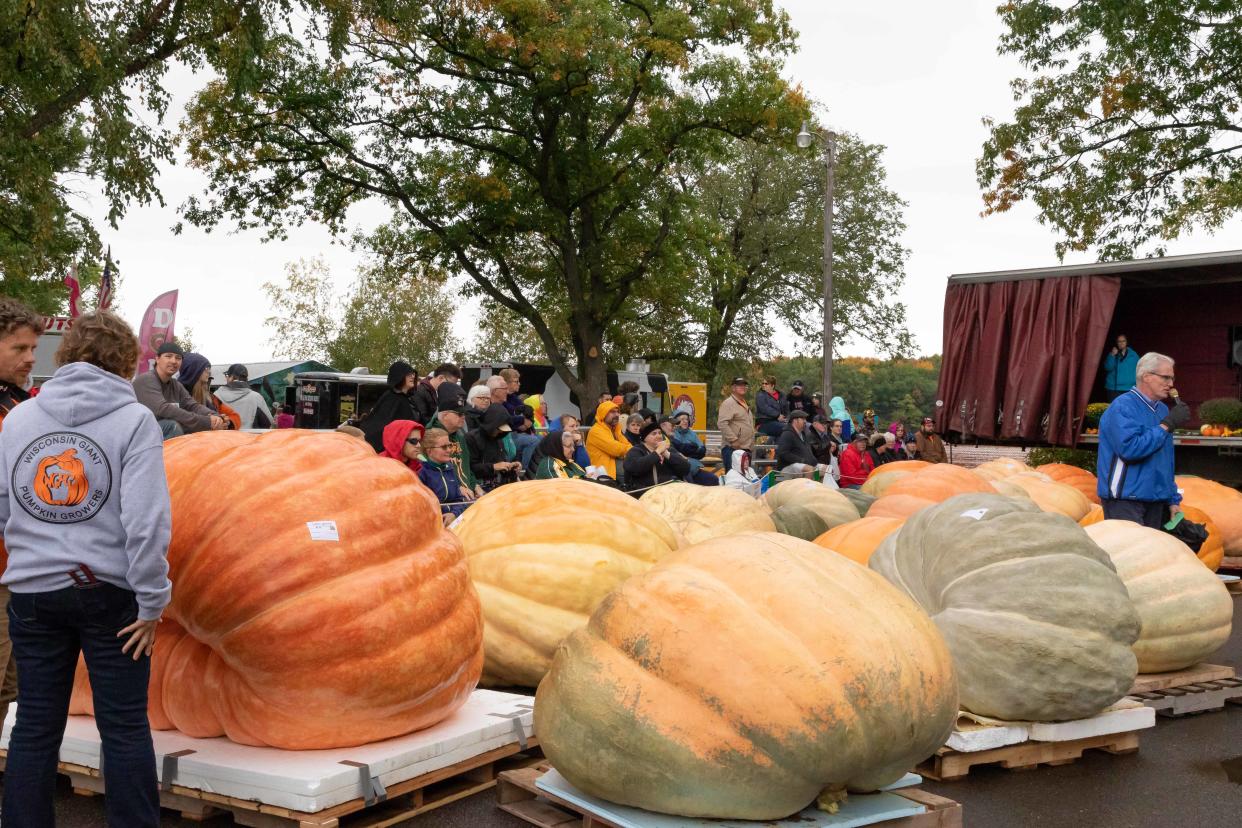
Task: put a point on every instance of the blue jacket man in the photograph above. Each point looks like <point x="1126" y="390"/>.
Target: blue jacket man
<point x="1120" y="369"/>
<point x="1135" y="463"/>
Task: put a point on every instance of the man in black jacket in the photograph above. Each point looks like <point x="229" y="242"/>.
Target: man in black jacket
<point x="489" y="460"/>
<point x="794" y="454"/>
<point x="395" y="404"/>
<point x="425" y="397"/>
<point x="653" y="461"/>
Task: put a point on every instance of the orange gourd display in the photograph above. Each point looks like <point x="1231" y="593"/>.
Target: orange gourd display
<point x="857" y="539"/>
<point x="931" y="485"/>
<point x="1222" y="503"/>
<point x="1081" y="479"/>
<point x="276" y="638"/>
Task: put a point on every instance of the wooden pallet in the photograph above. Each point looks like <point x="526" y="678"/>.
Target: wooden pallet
<point x="1233" y="563"/>
<point x="949" y="765"/>
<point x="1186" y="699"/>
<point x="1151" y="682"/>
<point x="404" y="799"/>
<point x="516" y="794"/>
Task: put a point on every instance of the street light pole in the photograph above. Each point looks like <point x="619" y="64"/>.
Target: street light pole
<point x="829" y="140"/>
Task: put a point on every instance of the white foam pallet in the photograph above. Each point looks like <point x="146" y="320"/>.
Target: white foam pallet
<point x="314" y="780"/>
<point x="856" y="811"/>
<point x="974" y="734"/>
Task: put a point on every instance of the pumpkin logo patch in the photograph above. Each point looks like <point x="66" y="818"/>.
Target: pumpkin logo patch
<point x="62" y="477"/>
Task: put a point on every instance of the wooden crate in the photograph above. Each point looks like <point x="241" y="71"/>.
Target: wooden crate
<point x="949" y="765"/>
<point x="404" y="799"/>
<point x="1151" y="682"/>
<point x="516" y="794"/>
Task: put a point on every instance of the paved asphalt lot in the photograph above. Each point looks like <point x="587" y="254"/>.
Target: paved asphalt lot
<point x="1179" y="777"/>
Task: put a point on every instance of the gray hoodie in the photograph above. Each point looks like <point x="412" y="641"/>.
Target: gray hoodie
<point x="247" y="403"/>
<point x="82" y="482"/>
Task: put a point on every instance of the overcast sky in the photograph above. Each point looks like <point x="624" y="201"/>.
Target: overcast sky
<point x="916" y="77"/>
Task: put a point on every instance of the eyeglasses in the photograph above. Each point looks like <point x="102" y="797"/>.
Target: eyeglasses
<point x="1165" y="377"/>
<point x="436" y="448"/>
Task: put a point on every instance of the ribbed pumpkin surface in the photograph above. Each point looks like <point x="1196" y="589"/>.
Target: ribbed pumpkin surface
<point x="832" y="506"/>
<point x="921" y="489"/>
<point x="1050" y="495"/>
<point x="1222" y="503"/>
<point x="276" y="639"/>
<point x="898" y="466"/>
<point x="1210" y="554"/>
<point x="862" y="500"/>
<point x="700" y="513"/>
<point x="739" y="677"/>
<point x="859" y="540"/>
<point x="1081" y="479"/>
<point x="1186" y="611"/>
<point x="1038" y="621"/>
<point x="1000" y="468"/>
<point x="543" y="554"/>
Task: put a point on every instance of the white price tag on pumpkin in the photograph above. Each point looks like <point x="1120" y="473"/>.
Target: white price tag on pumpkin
<point x="974" y="514"/>
<point x="323" y="530"/>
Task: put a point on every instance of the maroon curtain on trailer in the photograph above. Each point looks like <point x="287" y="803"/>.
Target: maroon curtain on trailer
<point x="1020" y="357"/>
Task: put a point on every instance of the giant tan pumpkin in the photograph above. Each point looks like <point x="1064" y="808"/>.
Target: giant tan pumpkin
<point x="1222" y="503"/>
<point x="1186" y="611"/>
<point x="275" y="638"/>
<point x="1039" y="623"/>
<point x="738" y="678"/>
<point x="700" y="513"/>
<point x="1081" y="479"/>
<point x="1000" y="468"/>
<point x="921" y="489"/>
<point x="832" y="506"/>
<point x="859" y="540"/>
<point x="1050" y="495"/>
<point x="543" y="554"/>
<point x="1210" y="554"/>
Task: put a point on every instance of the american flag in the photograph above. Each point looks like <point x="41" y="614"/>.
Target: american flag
<point x="105" y="284"/>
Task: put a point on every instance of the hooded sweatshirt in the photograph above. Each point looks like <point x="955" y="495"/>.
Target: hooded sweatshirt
<point x="605" y="445"/>
<point x="838" y="411"/>
<point x="736" y="478"/>
<point x="395" y="435"/>
<point x="82" y="484"/>
<point x="248" y="403"/>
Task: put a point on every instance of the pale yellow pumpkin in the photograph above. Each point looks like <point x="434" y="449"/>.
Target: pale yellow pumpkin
<point x="1050" y="496"/>
<point x="701" y="513"/>
<point x="1186" y="611"/>
<point x="542" y="555"/>
<point x="1000" y="468"/>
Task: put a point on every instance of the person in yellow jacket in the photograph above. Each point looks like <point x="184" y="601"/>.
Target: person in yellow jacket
<point x="605" y="443"/>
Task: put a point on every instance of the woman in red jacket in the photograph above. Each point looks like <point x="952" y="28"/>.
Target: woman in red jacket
<point x="855" y="463"/>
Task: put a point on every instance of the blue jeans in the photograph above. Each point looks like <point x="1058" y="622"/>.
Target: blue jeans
<point x="526" y="445"/>
<point x="48" y="630"/>
<point x="170" y="428"/>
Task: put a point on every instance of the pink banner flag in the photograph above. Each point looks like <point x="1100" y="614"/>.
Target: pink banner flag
<point x="75" y="291"/>
<point x="157" y="328"/>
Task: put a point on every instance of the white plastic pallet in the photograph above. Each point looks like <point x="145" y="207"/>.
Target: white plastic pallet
<point x="977" y="733"/>
<point x="314" y="780"/>
<point x="856" y="811"/>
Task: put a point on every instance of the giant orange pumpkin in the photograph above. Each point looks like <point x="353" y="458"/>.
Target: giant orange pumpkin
<point x="1222" y="503"/>
<point x="857" y="539"/>
<point x="60" y="480"/>
<point x="899" y="466"/>
<point x="1081" y="479"/>
<point x="924" y="488"/>
<point x="739" y="677"/>
<point x="276" y="638"/>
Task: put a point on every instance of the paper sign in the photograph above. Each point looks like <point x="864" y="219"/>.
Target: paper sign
<point x="323" y="530"/>
<point x="975" y="514"/>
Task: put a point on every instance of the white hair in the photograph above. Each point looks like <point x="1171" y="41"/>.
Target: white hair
<point x="890" y="437"/>
<point x="477" y="391"/>
<point x="1150" y="362"/>
<point x="496" y="381"/>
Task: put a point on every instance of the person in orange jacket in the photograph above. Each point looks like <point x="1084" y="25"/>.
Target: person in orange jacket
<point x="605" y="443"/>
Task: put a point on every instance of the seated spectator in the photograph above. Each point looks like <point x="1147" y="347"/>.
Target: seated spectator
<point x="912" y="447"/>
<point x="604" y="397"/>
<point x="799" y="401"/>
<point x="451" y="416"/>
<point x="741" y="476"/>
<point x="439" y="474"/>
<point x="771" y="409"/>
<point x="175" y="410"/>
<point x="697" y="474"/>
<point x="794" y="455"/>
<point x="539" y="412"/>
<point x="878" y="449"/>
<point x="492" y="461"/>
<point x="425" y="396"/>
<point x="634" y="428"/>
<point x="195" y="375"/>
<point x="569" y="424"/>
<point x="285" y="418"/>
<point x="856" y="465"/>
<point x="251" y="408"/>
<point x="648" y="416"/>
<point x="557" y="459"/>
<point x="402" y="441"/>
<point x="686" y="440"/>
<point x="605" y="442"/>
<point x="653" y="461"/>
<point x="394" y="404"/>
<point x="824" y="446"/>
<point x="478" y="398"/>
<point x="929" y="445"/>
<point x="868" y="422"/>
<point x="521" y="436"/>
<point x="838" y="411"/>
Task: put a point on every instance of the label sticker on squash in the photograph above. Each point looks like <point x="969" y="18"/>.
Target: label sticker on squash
<point x="323" y="530"/>
<point x="975" y="514"/>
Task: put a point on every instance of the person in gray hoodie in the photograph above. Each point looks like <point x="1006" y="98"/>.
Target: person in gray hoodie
<point x="249" y="404"/>
<point x="85" y="513"/>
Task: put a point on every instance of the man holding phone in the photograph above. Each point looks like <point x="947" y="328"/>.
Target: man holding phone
<point x="1120" y="366"/>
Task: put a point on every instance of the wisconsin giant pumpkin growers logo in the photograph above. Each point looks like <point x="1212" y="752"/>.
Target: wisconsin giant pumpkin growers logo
<point x="62" y="478"/>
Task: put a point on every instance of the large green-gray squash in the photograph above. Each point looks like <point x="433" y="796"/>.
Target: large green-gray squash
<point x="861" y="500"/>
<point x="1039" y="623"/>
<point x="832" y="506"/>
<point x="741" y="677"/>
